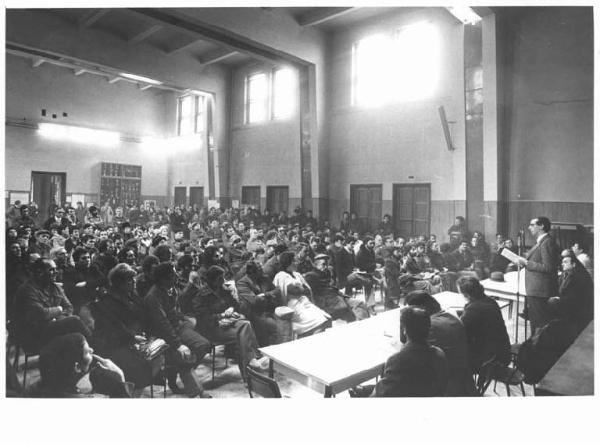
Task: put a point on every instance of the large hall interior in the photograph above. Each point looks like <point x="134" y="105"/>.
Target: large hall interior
<point x="299" y="202"/>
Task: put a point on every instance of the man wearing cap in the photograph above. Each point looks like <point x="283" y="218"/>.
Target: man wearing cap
<point x="328" y="297"/>
<point x="42" y="243"/>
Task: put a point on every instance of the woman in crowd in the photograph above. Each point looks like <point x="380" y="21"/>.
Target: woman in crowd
<point x="296" y="292"/>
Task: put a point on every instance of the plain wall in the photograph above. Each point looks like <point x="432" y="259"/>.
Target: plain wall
<point x="387" y="144"/>
<point x="89" y="101"/>
<point x="265" y="153"/>
<point x="49" y="31"/>
<point x="550" y="126"/>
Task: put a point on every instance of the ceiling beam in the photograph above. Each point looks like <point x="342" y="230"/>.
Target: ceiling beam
<point x="220" y="36"/>
<point x="114" y="79"/>
<point x="144" y="87"/>
<point x="38" y="62"/>
<point x="78" y="72"/>
<point x="141" y="36"/>
<point x="181" y="47"/>
<point x="89" y="18"/>
<point x="216" y="56"/>
<point x="322" y="15"/>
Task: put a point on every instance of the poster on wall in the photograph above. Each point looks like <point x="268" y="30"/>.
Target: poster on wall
<point x="213" y="204"/>
<point x="235" y="204"/>
<point x="74" y="198"/>
<point x="149" y="204"/>
<point x="23" y="197"/>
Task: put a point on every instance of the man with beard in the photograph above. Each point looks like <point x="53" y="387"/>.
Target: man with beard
<point x="42" y="309"/>
<point x="82" y="283"/>
<point x="258" y="298"/>
<point x="365" y="262"/>
<point x="328" y="297"/>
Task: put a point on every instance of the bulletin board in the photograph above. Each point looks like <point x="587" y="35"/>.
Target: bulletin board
<point x="120" y="184"/>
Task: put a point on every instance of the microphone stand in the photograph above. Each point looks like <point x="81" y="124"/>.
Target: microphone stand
<point x="518" y="294"/>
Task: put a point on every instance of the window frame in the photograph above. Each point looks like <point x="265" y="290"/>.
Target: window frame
<point x="269" y="99"/>
<point x="198" y="111"/>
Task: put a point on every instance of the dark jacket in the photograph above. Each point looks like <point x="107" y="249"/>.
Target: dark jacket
<point x="325" y="294"/>
<point x="365" y="259"/>
<point x="343" y="264"/>
<point x="206" y="306"/>
<point x="461" y="261"/>
<point x="164" y="317"/>
<point x="486" y="332"/>
<point x="250" y="304"/>
<point x="117" y="322"/>
<point x="416" y="371"/>
<point x="36" y="307"/>
<point x="541" y="269"/>
<point x="576" y="302"/>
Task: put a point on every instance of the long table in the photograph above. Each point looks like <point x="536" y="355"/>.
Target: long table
<point x="511" y="289"/>
<point x="345" y="356"/>
<point x="573" y="373"/>
<point x="341" y="357"/>
<point x="506" y="289"/>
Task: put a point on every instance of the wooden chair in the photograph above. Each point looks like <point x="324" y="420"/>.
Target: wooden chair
<point x="213" y="352"/>
<point x="262" y="385"/>
<point x="493" y="370"/>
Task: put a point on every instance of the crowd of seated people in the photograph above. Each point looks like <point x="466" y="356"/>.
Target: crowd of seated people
<point x="193" y="277"/>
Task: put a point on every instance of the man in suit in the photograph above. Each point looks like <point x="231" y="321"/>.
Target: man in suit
<point x="541" y="266"/>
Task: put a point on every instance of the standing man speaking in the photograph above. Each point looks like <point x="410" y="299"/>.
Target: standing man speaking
<point x="541" y="267"/>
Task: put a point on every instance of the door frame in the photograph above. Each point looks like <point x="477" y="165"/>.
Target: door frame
<point x="186" y="194"/>
<point x="362" y="185"/>
<point x="64" y="191"/>
<point x="395" y="187"/>
<point x="287" y="210"/>
<point x="259" y="194"/>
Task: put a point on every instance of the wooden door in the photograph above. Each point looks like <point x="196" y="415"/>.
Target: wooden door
<point x="365" y="200"/>
<point x="412" y="203"/>
<point x="179" y="195"/>
<point x="48" y="190"/>
<point x="197" y="195"/>
<point x="277" y="199"/>
<point x="251" y="196"/>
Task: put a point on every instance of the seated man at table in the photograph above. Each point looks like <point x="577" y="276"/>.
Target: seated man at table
<point x="448" y="333"/>
<point x="328" y="297"/>
<point x="486" y="331"/>
<point x="419" y="369"/>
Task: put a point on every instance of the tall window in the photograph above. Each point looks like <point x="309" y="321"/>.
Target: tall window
<point x="257" y="98"/>
<point x="399" y="67"/>
<point x="284" y="93"/>
<point x="191" y="115"/>
<point x="270" y="95"/>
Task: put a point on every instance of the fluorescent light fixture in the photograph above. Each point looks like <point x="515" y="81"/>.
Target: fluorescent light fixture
<point x="140" y="78"/>
<point x="79" y="135"/>
<point x="465" y="14"/>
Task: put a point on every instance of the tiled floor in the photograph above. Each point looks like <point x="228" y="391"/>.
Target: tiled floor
<point x="228" y="383"/>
